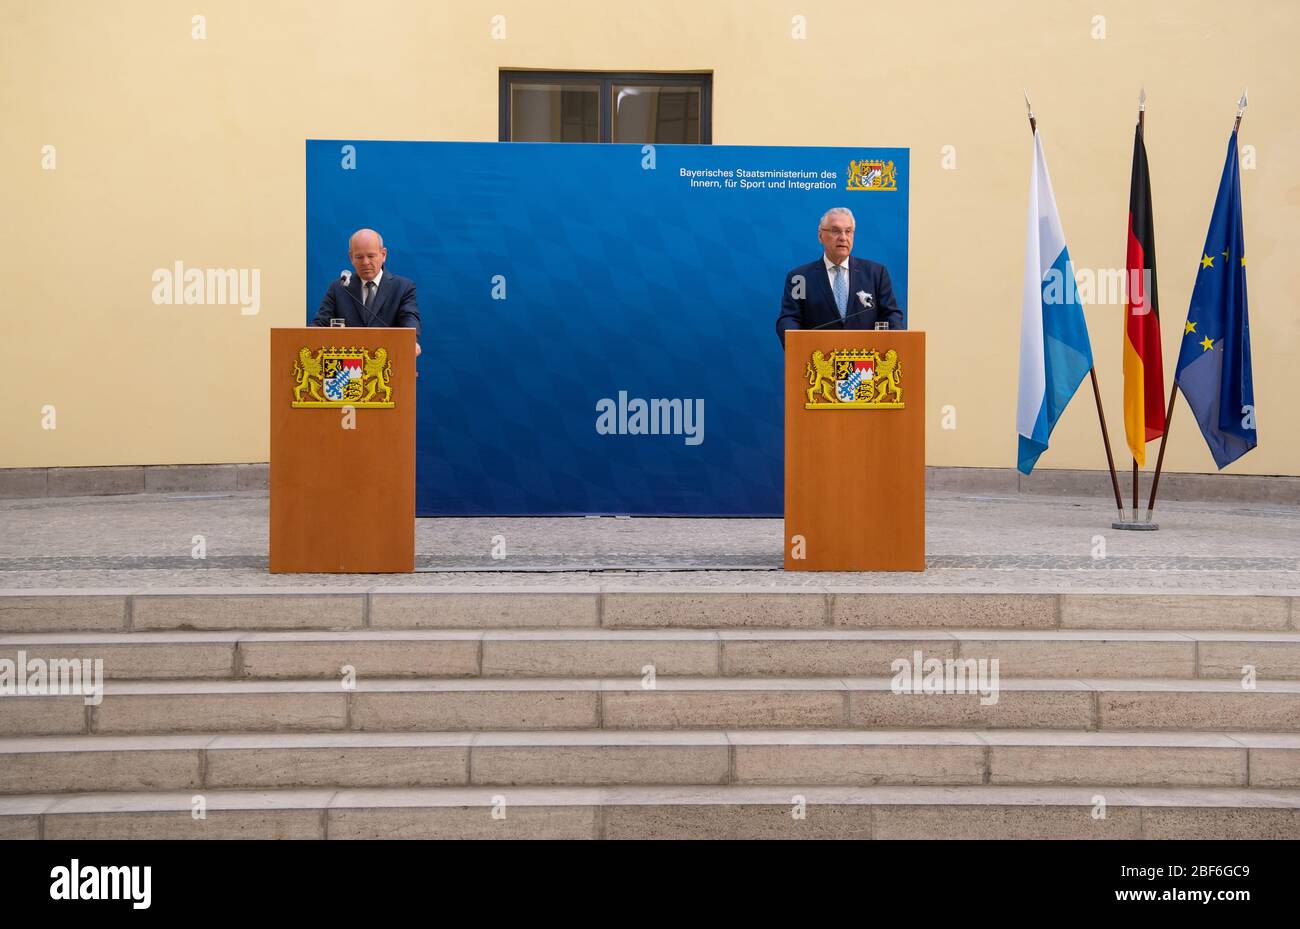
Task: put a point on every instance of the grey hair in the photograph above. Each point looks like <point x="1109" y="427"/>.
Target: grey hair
<point x="837" y="211"/>
<point x="352" y="238"/>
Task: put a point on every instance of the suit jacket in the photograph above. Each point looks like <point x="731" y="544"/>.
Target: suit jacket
<point x="394" y="304"/>
<point x="817" y="305"/>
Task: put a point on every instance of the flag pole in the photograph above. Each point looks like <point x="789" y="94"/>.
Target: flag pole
<point x="1142" y="114"/>
<point x="1160" y="459"/>
<point x="1096" y="391"/>
<point x="1173" y="390"/>
<point x="1105" y="437"/>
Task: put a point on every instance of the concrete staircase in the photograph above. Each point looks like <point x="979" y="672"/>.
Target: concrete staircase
<point x="604" y="714"/>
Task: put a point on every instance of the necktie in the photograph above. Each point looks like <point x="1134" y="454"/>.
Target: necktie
<point x="840" y="286"/>
<point x="370" y="295"/>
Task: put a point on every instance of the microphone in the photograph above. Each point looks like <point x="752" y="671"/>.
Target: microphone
<point x="847" y="317"/>
<point x="346" y="278"/>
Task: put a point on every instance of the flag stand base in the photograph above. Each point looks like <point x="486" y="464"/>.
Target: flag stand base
<point x="1137" y="525"/>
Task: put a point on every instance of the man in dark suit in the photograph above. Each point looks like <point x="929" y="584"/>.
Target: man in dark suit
<point x="372" y="296"/>
<point x="837" y="291"/>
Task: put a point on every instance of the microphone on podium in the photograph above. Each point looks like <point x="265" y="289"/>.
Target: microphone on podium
<point x="845" y="319"/>
<point x="346" y="278"/>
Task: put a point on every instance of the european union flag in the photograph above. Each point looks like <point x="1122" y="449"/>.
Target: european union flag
<point x="1214" y="364"/>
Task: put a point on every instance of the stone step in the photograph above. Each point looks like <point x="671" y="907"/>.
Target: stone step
<point x="672" y="652"/>
<point x="612" y="757"/>
<point x="672" y="703"/>
<point x="724" y="811"/>
<point x="55" y="610"/>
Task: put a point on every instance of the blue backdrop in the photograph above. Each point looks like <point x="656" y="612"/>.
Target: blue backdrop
<point x="552" y="277"/>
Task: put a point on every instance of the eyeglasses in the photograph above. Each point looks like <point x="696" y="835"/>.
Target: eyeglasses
<point x="835" y="233"/>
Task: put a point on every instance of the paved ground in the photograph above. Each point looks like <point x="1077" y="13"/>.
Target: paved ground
<point x="1016" y="543"/>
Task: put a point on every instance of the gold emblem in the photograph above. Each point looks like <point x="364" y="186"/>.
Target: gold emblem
<point x="336" y="377"/>
<point x="872" y="175"/>
<point x="854" y="379"/>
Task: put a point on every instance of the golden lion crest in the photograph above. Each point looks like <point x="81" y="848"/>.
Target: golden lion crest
<point x="337" y="377"/>
<point x="872" y="175"/>
<point x="855" y="379"/>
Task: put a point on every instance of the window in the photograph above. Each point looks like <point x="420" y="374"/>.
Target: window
<point x="575" y="106"/>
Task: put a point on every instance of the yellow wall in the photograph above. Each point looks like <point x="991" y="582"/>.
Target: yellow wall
<point x="169" y="148"/>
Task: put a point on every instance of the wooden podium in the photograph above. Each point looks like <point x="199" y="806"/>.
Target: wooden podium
<point x="854" y="450"/>
<point x="342" y="450"/>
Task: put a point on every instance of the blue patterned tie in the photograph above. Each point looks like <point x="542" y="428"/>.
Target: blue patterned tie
<point x="840" y="286"/>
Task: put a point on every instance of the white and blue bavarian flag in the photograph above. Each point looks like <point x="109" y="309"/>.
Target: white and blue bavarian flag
<point x="1055" y="353"/>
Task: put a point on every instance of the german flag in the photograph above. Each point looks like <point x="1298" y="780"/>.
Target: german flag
<point x="1144" y="376"/>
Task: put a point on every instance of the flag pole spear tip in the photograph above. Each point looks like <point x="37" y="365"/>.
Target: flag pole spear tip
<point x="1241" y="110"/>
<point x="1033" y="123"/>
<point x="1142" y="99"/>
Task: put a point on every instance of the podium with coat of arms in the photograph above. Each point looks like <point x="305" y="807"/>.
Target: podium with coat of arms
<point x="854" y="450"/>
<point x="342" y="450"/>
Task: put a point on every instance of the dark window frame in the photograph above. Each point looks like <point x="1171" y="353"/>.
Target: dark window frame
<point x="702" y="80"/>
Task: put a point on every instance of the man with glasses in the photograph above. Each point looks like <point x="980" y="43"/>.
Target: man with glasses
<point x="837" y="291"/>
